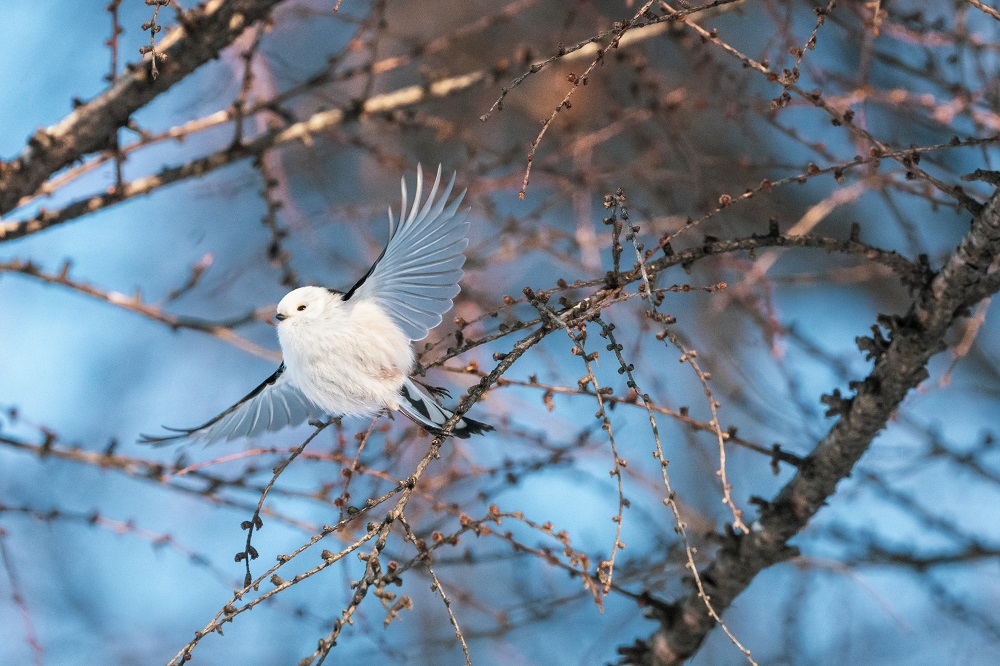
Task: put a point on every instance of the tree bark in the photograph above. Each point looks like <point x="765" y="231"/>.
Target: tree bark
<point x="204" y="32"/>
<point x="900" y="365"/>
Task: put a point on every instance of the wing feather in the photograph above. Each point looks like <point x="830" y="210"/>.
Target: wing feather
<point x="417" y="275"/>
<point x="273" y="405"/>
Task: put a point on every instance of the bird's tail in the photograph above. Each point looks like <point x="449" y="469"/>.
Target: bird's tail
<point x="423" y="409"/>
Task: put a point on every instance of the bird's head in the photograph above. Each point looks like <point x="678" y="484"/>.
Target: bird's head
<point x="308" y="304"/>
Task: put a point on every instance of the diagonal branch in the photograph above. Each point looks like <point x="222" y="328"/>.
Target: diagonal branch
<point x="219" y="329"/>
<point x="92" y="126"/>
<point x="900" y="365"/>
<point x="198" y="167"/>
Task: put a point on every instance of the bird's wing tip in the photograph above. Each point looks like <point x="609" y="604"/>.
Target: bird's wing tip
<point x="152" y="440"/>
<point x="162" y="440"/>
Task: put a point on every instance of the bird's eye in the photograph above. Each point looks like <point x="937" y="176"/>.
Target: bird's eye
<point x="301" y="308"/>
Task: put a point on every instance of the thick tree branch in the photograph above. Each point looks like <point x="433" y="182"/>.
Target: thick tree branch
<point x="900" y="365"/>
<point x="204" y="32"/>
<point x="301" y="131"/>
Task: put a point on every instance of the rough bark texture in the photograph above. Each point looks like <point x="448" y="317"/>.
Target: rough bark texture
<point x="900" y="365"/>
<point x="91" y="127"/>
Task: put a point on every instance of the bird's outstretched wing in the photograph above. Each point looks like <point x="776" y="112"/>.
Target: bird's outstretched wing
<point x="416" y="276"/>
<point x="272" y="406"/>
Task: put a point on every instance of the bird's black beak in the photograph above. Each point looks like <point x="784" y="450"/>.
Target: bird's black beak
<point x="281" y="317"/>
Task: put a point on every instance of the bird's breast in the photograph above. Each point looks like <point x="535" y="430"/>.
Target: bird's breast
<point x="356" y="365"/>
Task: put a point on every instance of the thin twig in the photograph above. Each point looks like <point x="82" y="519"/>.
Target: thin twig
<point x="425" y="557"/>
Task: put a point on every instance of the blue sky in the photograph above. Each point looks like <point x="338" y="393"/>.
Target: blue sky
<point x="93" y="372"/>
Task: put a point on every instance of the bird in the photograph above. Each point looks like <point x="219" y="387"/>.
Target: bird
<point x="350" y="353"/>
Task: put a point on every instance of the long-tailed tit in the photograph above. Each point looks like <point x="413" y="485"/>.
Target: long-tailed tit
<point x="349" y="353"/>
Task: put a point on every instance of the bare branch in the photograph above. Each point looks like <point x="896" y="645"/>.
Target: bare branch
<point x="899" y="367"/>
<point x="91" y="127"/>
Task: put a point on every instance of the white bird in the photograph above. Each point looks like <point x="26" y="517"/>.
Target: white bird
<point x="350" y="353"/>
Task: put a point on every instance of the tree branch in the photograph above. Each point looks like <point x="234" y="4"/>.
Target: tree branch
<point x="198" y="167"/>
<point x="900" y="365"/>
<point x="204" y="32"/>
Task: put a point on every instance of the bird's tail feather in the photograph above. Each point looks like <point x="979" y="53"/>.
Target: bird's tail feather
<point x="423" y="409"/>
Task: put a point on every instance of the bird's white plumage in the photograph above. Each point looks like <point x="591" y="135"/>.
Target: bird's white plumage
<point x="348" y="357"/>
<point x="349" y="353"/>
